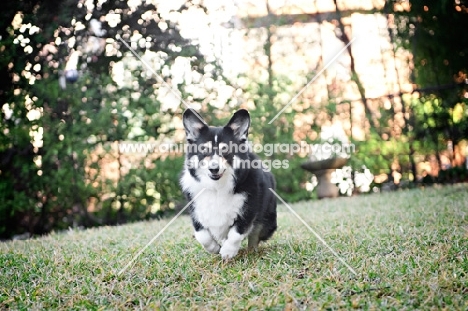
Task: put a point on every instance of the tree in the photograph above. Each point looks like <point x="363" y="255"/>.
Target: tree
<point x="440" y="60"/>
<point x="53" y="141"/>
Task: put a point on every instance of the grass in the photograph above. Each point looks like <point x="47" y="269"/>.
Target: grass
<point x="409" y="248"/>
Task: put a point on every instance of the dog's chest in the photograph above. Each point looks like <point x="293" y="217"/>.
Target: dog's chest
<point x="217" y="209"/>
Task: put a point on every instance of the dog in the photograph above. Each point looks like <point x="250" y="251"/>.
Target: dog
<point x="231" y="196"/>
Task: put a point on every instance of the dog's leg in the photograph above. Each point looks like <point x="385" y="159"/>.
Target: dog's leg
<point x="254" y="237"/>
<point x="232" y="244"/>
<point x="206" y="239"/>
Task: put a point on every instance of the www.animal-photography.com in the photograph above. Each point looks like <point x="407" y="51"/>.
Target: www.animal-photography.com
<point x="234" y="155"/>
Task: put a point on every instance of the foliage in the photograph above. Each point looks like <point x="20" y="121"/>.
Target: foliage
<point x="55" y="143"/>
<point x="440" y="58"/>
<point x="439" y="53"/>
<point x="458" y="174"/>
<point x="266" y="101"/>
<point x="437" y="112"/>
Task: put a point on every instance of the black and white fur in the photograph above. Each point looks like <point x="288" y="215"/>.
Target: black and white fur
<point x="236" y="201"/>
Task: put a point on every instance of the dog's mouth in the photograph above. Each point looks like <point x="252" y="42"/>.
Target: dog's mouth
<point x="216" y="176"/>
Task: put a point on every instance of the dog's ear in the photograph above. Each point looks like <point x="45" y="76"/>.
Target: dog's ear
<point x="193" y="124"/>
<point x="240" y="123"/>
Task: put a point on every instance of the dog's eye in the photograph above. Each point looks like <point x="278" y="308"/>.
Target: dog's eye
<point x="223" y="149"/>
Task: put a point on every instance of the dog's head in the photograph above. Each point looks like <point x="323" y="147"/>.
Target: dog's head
<point x="212" y="152"/>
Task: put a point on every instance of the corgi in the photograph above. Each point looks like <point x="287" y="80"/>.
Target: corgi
<point x="230" y="190"/>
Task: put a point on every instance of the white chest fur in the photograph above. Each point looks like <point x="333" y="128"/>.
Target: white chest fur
<point x="215" y="208"/>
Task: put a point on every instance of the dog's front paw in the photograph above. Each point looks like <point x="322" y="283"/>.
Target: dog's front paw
<point x="205" y="239"/>
<point x="213" y="247"/>
<point x="228" y="251"/>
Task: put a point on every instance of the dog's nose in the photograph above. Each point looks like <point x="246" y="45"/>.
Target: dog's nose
<point x="213" y="165"/>
<point x="214" y="170"/>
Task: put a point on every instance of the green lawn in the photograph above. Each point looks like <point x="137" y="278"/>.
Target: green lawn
<point x="409" y="248"/>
